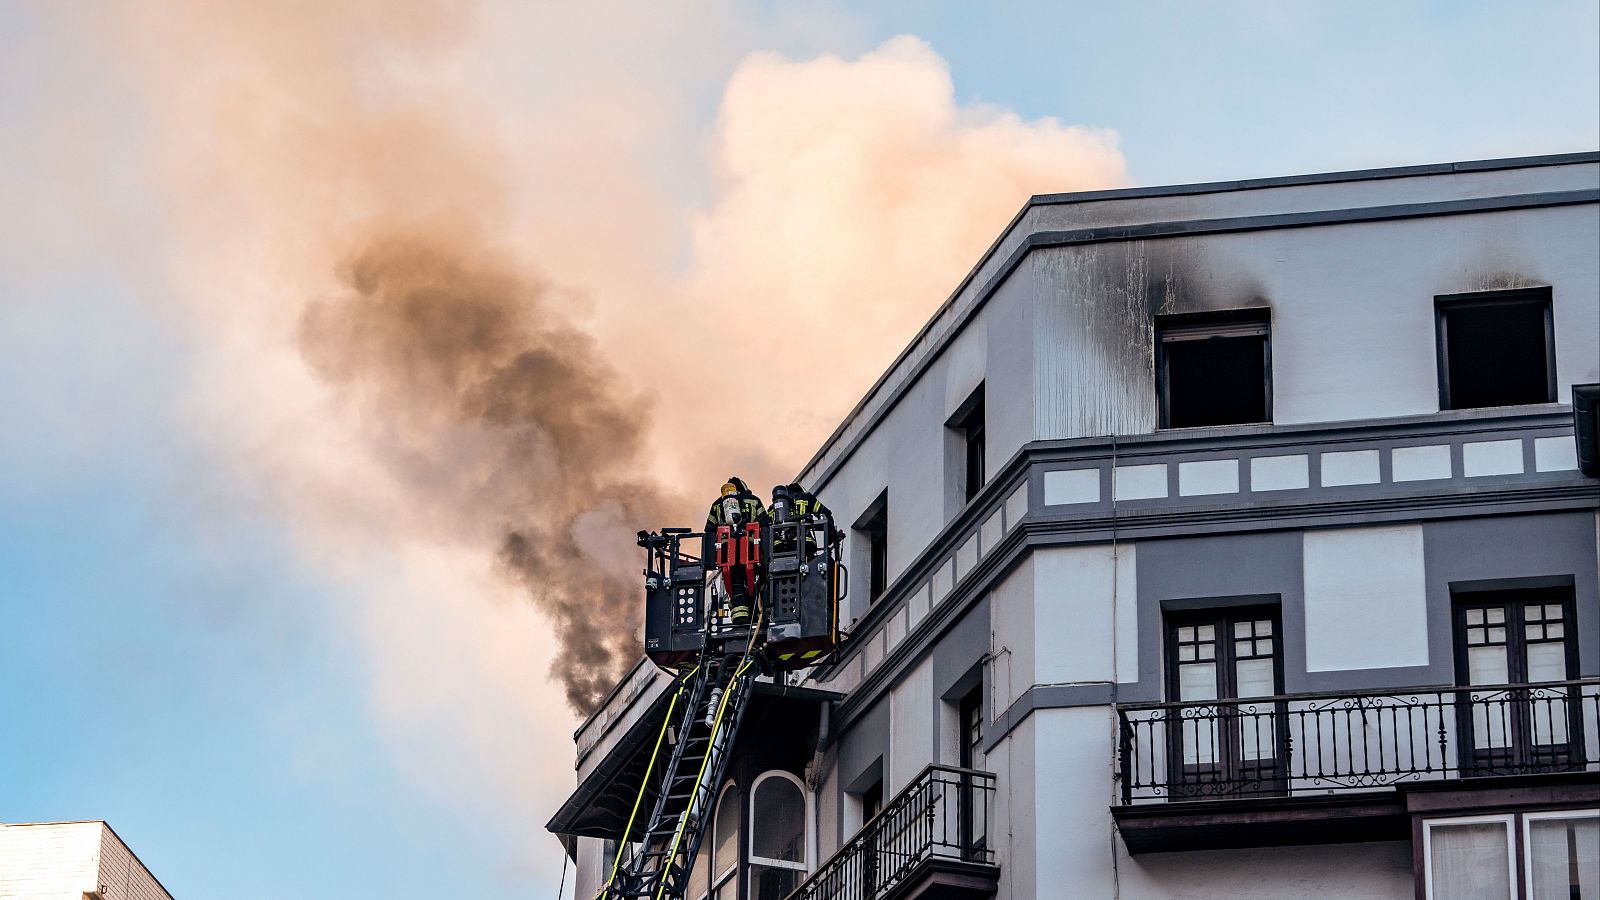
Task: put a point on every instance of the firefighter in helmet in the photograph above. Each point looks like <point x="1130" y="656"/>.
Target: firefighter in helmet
<point x="801" y="503"/>
<point x="735" y="508"/>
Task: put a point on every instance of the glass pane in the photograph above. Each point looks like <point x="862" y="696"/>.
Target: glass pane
<point x="1547" y="709"/>
<point x="1186" y="634"/>
<point x="1264" y="645"/>
<point x="1564" y="858"/>
<point x="1186" y="652"/>
<point x="1469" y="861"/>
<point x="726" y="831"/>
<point x="1208" y="651"/>
<point x="1553" y="630"/>
<point x="1208" y="633"/>
<point x="1241" y="629"/>
<point x="1264" y="627"/>
<point x="1254" y="677"/>
<point x="1491" y="719"/>
<point x="1487" y="665"/>
<point x="1257" y="738"/>
<point x="1497" y="615"/>
<point x="1243" y="648"/>
<point x="1474" y="617"/>
<point x="1198" y="727"/>
<point x="1547" y="662"/>
<point x="1197" y="682"/>
<point x="771" y="883"/>
<point x="1497" y="635"/>
<point x="1533" y="632"/>
<point x="1552" y="611"/>
<point x="778" y="821"/>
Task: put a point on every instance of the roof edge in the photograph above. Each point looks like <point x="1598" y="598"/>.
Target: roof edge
<point x="1378" y="174"/>
<point x="809" y="468"/>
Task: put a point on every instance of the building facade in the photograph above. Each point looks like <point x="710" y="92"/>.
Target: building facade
<point x="72" y="861"/>
<point x="1226" y="540"/>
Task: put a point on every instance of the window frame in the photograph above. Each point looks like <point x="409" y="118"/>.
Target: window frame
<point x="1512" y="855"/>
<point x="873" y="528"/>
<point x="809" y="863"/>
<point x="714" y="879"/>
<point x="1268" y="773"/>
<point x="970" y="422"/>
<point x="1182" y="327"/>
<point x="1444" y="303"/>
<point x="1527" y="836"/>
<point x="1522" y="748"/>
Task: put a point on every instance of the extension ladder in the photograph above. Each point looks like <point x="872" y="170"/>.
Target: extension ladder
<point x="653" y="862"/>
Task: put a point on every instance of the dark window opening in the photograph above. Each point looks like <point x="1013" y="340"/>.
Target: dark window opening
<point x="971" y="712"/>
<point x="974" y="824"/>
<point x="1495" y="349"/>
<point x="872" y="801"/>
<point x="969" y="422"/>
<point x="872" y="529"/>
<point x="1214" y="369"/>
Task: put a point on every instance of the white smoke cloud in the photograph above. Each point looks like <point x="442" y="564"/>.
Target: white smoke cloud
<point x="842" y="200"/>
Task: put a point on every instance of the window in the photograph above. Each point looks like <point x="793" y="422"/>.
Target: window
<point x="1214" y="368"/>
<point x="1222" y="654"/>
<point x="1476" y="857"/>
<point x="974" y="824"/>
<point x="1469" y="858"/>
<point x="968" y="424"/>
<point x="1495" y="349"/>
<point x="719" y="855"/>
<point x="871" y="801"/>
<point x="1563" y="854"/>
<point x="1506" y="639"/>
<point x="778" y="848"/>
<point x="872" y="532"/>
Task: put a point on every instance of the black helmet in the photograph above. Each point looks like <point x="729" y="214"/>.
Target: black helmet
<point x="739" y="483"/>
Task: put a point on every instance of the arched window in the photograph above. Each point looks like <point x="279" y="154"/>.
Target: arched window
<point x="719" y="852"/>
<point x="779" y="844"/>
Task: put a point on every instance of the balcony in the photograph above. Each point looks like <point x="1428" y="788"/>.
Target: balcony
<point x="929" y="843"/>
<point x="1332" y="767"/>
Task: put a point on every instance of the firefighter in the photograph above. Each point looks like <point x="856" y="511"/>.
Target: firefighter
<point x="805" y="503"/>
<point x="736" y="507"/>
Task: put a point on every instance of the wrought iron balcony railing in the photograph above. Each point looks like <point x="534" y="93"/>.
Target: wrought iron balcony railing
<point x="1298" y="744"/>
<point x="942" y="815"/>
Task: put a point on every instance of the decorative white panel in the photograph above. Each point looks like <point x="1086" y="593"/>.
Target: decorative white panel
<point x="1365" y="598"/>
<point x="1279" y="473"/>
<point x="1491" y="458"/>
<point x="1349" y="467"/>
<point x="1420" y="463"/>
<point x="1212" y="476"/>
<point x="1139" y="482"/>
<point x="1071" y="486"/>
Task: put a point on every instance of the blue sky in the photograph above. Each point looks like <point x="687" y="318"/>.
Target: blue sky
<point x="173" y="665"/>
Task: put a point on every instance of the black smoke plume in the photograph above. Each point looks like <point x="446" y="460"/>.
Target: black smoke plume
<point x="508" y="427"/>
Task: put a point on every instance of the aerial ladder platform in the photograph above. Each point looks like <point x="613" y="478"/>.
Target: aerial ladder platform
<point x="787" y="573"/>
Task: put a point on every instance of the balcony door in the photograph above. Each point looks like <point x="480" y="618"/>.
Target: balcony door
<point x="1215" y="747"/>
<point x="1510" y="643"/>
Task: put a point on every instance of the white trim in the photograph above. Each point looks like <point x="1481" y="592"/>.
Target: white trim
<point x="1508" y="820"/>
<point x="1527" y="837"/>
<point x="808" y="816"/>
